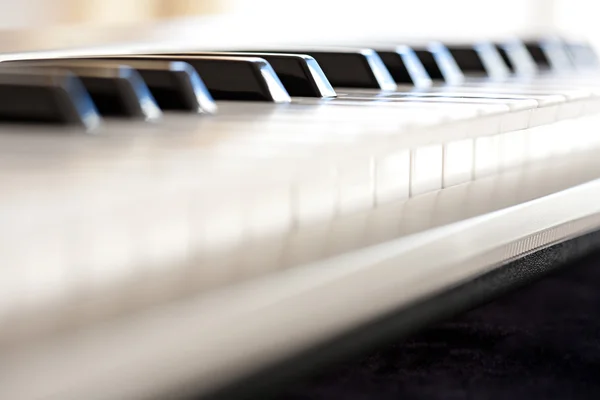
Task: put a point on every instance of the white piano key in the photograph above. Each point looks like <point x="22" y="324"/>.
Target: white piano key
<point x="426" y="169"/>
<point x="110" y="255"/>
<point x="416" y="213"/>
<point x="572" y="109"/>
<point x="33" y="275"/>
<point x="269" y="211"/>
<point x="487" y="156"/>
<point x="384" y="222"/>
<point x="592" y="106"/>
<point x="459" y="158"/>
<point x="547" y="110"/>
<point x="14" y="244"/>
<point x="212" y="268"/>
<point x="169" y="243"/>
<point x="306" y="244"/>
<point x="558" y="141"/>
<point x="356" y="185"/>
<point x="393" y="177"/>
<point x="218" y="224"/>
<point x="583" y="133"/>
<point x="346" y="232"/>
<point x="539" y="146"/>
<point x="512" y="149"/>
<point x="544" y="115"/>
<point x="484" y="126"/>
<point x="520" y="115"/>
<point x="316" y="200"/>
<point x="260" y="255"/>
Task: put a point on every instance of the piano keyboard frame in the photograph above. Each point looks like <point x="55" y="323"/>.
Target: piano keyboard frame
<point x="306" y="305"/>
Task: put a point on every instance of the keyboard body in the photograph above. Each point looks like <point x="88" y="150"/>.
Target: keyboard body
<point x="181" y="254"/>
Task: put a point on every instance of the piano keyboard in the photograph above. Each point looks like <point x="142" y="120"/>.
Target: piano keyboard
<point x="178" y="220"/>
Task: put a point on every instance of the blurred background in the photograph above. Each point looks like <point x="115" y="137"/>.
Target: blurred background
<point x="309" y="18"/>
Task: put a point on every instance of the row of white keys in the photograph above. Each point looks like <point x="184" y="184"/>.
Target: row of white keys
<point x="356" y="182"/>
<point x="552" y="106"/>
<point x="286" y="154"/>
<point x="344" y="115"/>
<point x="549" y="105"/>
<point x="423" y="161"/>
<point x="105" y="265"/>
<point x="546" y="112"/>
<point x="426" y="158"/>
<point x="451" y="162"/>
<point x="576" y="97"/>
<point x="500" y="152"/>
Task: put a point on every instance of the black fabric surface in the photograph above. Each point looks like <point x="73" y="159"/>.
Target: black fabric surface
<point x="540" y="342"/>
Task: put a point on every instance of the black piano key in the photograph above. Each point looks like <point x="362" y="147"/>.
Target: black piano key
<point x="350" y="68"/>
<point x="550" y="53"/>
<point x="174" y="85"/>
<point x="404" y="66"/>
<point x="517" y="57"/>
<point x="45" y="96"/>
<point x="116" y="90"/>
<point x="538" y="53"/>
<point x="230" y="78"/>
<point x="505" y="57"/>
<point x="429" y="63"/>
<point x="468" y="59"/>
<point x="439" y="63"/>
<point x="239" y="78"/>
<point x="479" y="59"/>
<point x="300" y="74"/>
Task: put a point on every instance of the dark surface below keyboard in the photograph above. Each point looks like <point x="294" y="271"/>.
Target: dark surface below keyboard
<point x="542" y="341"/>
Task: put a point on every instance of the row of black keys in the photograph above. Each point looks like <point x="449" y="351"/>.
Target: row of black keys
<point x="79" y="90"/>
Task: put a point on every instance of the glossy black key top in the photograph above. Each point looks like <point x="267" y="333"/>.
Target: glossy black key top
<point x="468" y="59"/>
<point x="538" y="53"/>
<point x="116" y="90"/>
<point x="230" y="78"/>
<point x="550" y="53"/>
<point x="439" y="63"/>
<point x="300" y="74"/>
<point x="349" y="68"/>
<point x="239" y="78"/>
<point x="404" y="65"/>
<point x="429" y="63"/>
<point x="506" y="58"/>
<point x="517" y="57"/>
<point x="479" y="59"/>
<point x="45" y="96"/>
<point x="174" y="85"/>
